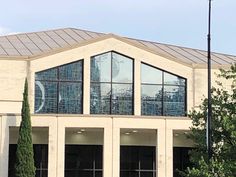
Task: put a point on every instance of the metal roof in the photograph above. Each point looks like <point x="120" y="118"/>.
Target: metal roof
<point x="37" y="43"/>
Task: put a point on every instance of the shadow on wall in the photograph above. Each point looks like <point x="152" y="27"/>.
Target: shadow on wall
<point x="6" y="121"/>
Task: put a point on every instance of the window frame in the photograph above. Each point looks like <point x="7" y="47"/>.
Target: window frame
<point x="163" y="86"/>
<point x="58" y="81"/>
<point x="94" y="168"/>
<point x="112" y="83"/>
<point x="139" y="170"/>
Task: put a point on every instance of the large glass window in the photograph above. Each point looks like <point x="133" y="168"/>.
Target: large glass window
<point x="137" y="161"/>
<point x="162" y="93"/>
<point x="83" y="160"/>
<point x="111" y="84"/>
<point x="59" y="90"/>
<point x="40" y="160"/>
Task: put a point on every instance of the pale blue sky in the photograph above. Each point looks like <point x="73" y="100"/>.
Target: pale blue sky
<point x="178" y="22"/>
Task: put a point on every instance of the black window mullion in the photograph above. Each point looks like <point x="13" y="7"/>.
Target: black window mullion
<point x="58" y="85"/>
<point x="139" y="164"/>
<point x="111" y="58"/>
<point x="162" y="100"/>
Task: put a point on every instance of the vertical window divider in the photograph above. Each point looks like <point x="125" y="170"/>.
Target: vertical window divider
<point x="162" y="99"/>
<point x="82" y="87"/>
<point x="111" y="58"/>
<point x="58" y="85"/>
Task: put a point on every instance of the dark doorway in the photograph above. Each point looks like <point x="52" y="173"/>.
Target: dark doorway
<point x="181" y="159"/>
<point x="137" y="161"/>
<point x="83" y="160"/>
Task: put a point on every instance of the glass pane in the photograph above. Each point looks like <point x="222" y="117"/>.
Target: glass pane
<point x="151" y="75"/>
<point x="122" y="99"/>
<point x="71" y="72"/>
<point x="50" y="74"/>
<point x="174" y="100"/>
<point x="12" y="160"/>
<point x="100" y="95"/>
<point x="122" y="69"/>
<point x="41" y="156"/>
<point x="98" y="157"/>
<point x="70" y="97"/>
<point x="173" y="80"/>
<point x="45" y="97"/>
<point x="151" y="100"/>
<point x="147" y="158"/>
<point x="77" y="157"/>
<point x="80" y="160"/>
<point x="129" y="159"/>
<point x="98" y="174"/>
<point x="101" y="68"/>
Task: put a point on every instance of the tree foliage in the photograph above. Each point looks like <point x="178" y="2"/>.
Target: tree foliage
<point x="223" y="161"/>
<point x="24" y="166"/>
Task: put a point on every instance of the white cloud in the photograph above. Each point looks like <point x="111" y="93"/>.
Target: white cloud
<point x="6" y="31"/>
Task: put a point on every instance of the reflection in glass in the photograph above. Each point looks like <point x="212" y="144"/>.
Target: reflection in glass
<point x="162" y="97"/>
<point x="151" y="100"/>
<point x="171" y="79"/>
<point x="101" y="68"/>
<point x="50" y="74"/>
<point x="122" y="101"/>
<point x="45" y="97"/>
<point x="59" y="93"/>
<point x="70" y="97"/>
<point x="100" y="97"/>
<point x="71" y="72"/>
<point x="151" y="75"/>
<point x="174" y="100"/>
<point x="111" y="89"/>
<point x="122" y="69"/>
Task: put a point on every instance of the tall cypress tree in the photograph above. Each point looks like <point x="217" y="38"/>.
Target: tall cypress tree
<point x="24" y="154"/>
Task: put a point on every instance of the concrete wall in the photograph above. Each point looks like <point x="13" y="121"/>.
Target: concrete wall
<point x="159" y="129"/>
<point x="12" y="76"/>
<point x="57" y="128"/>
<point x="13" y="73"/>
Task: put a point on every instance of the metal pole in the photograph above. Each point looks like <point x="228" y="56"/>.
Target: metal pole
<point x="209" y="113"/>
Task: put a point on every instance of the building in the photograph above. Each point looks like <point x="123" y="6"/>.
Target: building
<point x="102" y="104"/>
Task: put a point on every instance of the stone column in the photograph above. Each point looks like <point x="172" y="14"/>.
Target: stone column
<point x="137" y="87"/>
<point x="60" y="149"/>
<point x="107" y="152"/>
<point x="116" y="152"/>
<point x="52" y="150"/>
<point x="160" y="153"/>
<point x="169" y="152"/>
<point x="86" y="86"/>
<point x="4" y="147"/>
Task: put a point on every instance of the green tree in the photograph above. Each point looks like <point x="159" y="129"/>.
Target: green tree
<point x="24" y="154"/>
<point x="223" y="161"/>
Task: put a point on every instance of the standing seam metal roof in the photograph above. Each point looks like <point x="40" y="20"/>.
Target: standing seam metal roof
<point x="36" y="43"/>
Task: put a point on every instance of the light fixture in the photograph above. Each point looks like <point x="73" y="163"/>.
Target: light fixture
<point x="176" y="134"/>
<point x="82" y="130"/>
<point x="127" y="133"/>
<point x="135" y="131"/>
<point x="79" y="132"/>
